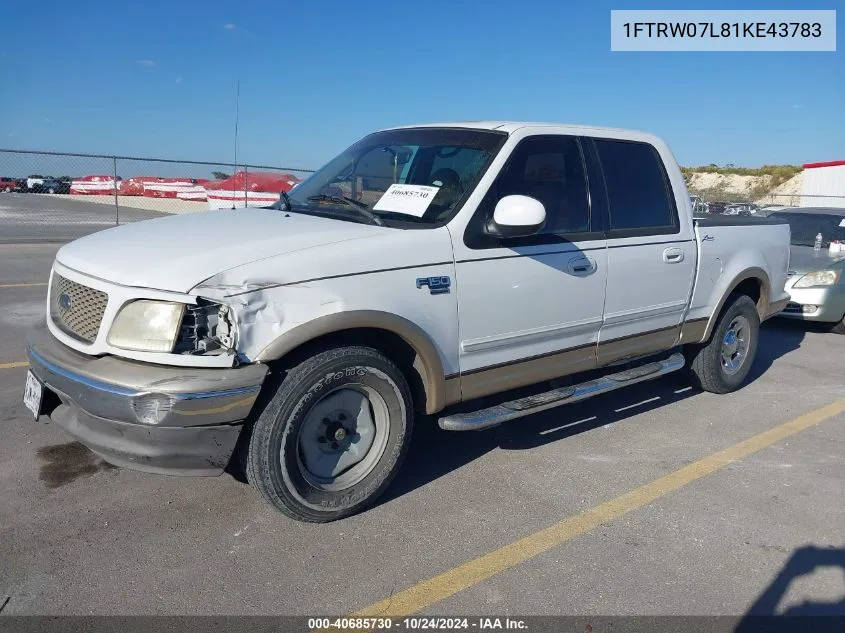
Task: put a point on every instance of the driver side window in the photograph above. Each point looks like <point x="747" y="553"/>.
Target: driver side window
<point x="551" y="170"/>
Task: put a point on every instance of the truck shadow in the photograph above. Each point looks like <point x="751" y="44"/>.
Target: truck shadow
<point x="435" y="452"/>
<point x="778" y="337"/>
<point x="804" y="562"/>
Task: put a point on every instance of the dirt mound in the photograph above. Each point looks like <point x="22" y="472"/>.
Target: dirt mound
<point x="740" y="188"/>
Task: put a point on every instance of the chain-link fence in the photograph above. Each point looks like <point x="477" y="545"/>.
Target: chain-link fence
<point x="54" y="196"/>
<point x="57" y="196"/>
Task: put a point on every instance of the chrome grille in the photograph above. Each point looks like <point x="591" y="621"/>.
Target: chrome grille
<point x="76" y="309"/>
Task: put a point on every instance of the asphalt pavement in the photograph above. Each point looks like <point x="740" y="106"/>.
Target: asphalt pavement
<point x="33" y="218"/>
<point x="454" y="535"/>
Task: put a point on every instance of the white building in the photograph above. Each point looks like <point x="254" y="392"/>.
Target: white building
<point x="824" y="185"/>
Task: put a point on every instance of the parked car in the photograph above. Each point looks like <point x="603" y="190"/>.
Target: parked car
<point x="767" y="209"/>
<point x="816" y="278"/>
<point x="305" y="340"/>
<point x="9" y="184"/>
<point x="51" y="185"/>
<point x="34" y="180"/>
<point x="741" y="208"/>
<point x="698" y="205"/>
<point x="718" y="207"/>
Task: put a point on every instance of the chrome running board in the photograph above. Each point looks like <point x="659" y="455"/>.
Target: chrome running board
<point x="493" y="416"/>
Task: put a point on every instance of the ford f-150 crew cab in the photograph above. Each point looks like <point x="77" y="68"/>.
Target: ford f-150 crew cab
<point x="474" y="272"/>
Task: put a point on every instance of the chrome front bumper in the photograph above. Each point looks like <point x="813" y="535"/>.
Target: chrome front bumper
<point x="172" y="420"/>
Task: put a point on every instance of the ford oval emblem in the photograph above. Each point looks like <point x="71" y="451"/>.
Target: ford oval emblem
<point x="65" y="301"/>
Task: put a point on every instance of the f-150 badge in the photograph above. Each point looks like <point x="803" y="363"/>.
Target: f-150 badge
<point x="436" y="285"/>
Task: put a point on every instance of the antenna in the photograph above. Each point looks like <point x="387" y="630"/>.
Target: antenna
<point x="237" y="116"/>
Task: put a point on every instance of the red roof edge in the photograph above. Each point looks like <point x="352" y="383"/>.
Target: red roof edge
<point x="830" y="163"/>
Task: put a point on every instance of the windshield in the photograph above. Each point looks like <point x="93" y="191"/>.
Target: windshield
<point x="805" y="227"/>
<point x="414" y="177"/>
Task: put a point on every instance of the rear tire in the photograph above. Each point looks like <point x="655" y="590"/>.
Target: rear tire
<point x="333" y="436"/>
<point x="722" y="364"/>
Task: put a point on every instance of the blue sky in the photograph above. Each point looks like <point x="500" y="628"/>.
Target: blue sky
<point x="158" y="78"/>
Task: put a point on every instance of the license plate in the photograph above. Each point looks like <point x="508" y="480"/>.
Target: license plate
<point x="32" y="394"/>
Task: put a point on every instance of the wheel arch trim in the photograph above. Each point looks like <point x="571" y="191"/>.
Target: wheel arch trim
<point x="438" y="389"/>
<point x="754" y="273"/>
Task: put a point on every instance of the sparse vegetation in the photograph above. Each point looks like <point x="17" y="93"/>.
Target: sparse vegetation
<point x="767" y="177"/>
<point x="779" y="173"/>
<point x="719" y="193"/>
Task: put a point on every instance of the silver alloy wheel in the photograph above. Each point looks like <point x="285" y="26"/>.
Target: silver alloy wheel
<point x="735" y="345"/>
<point x="343" y="437"/>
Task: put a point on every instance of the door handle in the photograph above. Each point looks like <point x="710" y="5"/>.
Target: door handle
<point x="581" y="266"/>
<point x="673" y="255"/>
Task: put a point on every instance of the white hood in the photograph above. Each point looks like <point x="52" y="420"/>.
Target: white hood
<point x="178" y="252"/>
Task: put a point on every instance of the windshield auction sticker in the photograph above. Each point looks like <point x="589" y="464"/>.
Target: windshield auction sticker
<point x="407" y="199"/>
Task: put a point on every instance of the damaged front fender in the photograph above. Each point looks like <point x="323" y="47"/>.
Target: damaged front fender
<point x="273" y="321"/>
<point x="261" y="312"/>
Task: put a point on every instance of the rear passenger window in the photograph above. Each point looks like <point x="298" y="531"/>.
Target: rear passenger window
<point x="637" y="188"/>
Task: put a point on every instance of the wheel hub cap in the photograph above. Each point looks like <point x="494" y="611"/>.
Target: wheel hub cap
<point x="731" y="342"/>
<point x="735" y="345"/>
<point x="334" y="436"/>
<point x="342" y="438"/>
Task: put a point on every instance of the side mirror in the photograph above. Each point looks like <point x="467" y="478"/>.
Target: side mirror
<point x="517" y="216"/>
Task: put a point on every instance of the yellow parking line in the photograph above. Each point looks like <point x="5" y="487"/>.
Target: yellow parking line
<point x="22" y="285"/>
<point x="21" y="363"/>
<point x="475" y="571"/>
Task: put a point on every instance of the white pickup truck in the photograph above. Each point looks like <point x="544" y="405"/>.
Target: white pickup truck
<point x="468" y="271"/>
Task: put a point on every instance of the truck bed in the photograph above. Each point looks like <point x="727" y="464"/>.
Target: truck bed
<point x="733" y="245"/>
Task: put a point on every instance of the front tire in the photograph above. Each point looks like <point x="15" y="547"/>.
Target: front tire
<point x="722" y="364"/>
<point x="838" y="327"/>
<point x="333" y="436"/>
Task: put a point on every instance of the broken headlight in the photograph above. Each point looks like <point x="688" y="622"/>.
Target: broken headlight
<point x="206" y="328"/>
